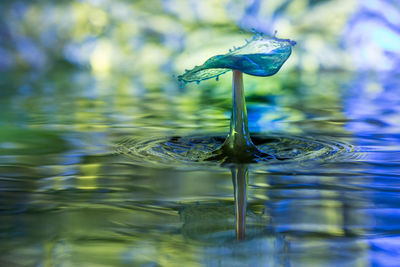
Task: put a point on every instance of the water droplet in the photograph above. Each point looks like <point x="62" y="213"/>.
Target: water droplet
<point x="182" y="84"/>
<point x="198" y="82"/>
<point x="220" y="64"/>
<point x="217" y="78"/>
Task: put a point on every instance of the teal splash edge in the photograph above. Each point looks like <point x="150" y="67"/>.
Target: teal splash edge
<point x="261" y="56"/>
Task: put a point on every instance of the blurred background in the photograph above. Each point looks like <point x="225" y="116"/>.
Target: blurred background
<point x="149" y="41"/>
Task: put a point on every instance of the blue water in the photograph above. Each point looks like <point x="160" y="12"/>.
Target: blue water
<point x="261" y="56"/>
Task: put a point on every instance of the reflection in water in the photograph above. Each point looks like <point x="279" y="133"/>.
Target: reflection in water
<point x="214" y="222"/>
<point x="224" y="222"/>
<point x="239" y="179"/>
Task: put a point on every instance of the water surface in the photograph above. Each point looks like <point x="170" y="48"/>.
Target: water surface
<point x="112" y="177"/>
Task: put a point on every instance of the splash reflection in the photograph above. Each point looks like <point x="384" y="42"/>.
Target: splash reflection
<point x="239" y="178"/>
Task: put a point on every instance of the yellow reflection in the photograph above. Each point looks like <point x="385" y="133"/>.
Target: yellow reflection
<point x="87" y="182"/>
<point x="88" y="179"/>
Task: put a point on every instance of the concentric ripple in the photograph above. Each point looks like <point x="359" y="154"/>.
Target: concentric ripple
<point x="179" y="151"/>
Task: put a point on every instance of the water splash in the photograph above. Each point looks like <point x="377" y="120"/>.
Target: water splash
<point x="261" y="56"/>
<point x="190" y="152"/>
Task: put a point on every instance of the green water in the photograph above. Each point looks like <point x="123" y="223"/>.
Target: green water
<point x="112" y="177"/>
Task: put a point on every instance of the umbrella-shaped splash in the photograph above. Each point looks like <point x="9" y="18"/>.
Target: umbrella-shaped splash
<point x="262" y="56"/>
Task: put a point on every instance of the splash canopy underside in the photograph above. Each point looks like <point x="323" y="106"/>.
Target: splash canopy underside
<point x="261" y="56"/>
